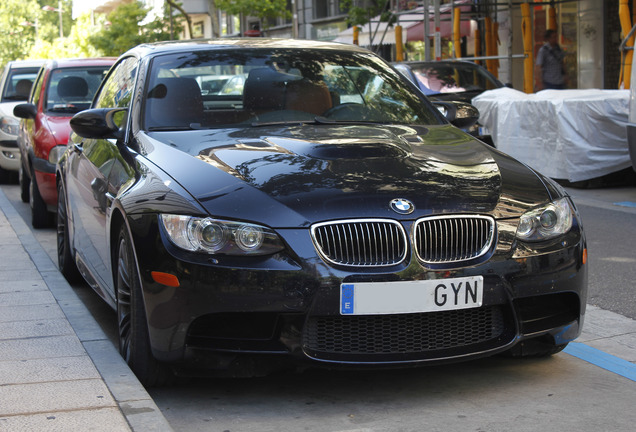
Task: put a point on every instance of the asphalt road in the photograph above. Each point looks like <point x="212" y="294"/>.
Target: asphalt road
<point x="496" y="394"/>
<point x="611" y="235"/>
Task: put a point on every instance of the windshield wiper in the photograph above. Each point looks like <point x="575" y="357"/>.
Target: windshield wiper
<point x="65" y="109"/>
<point x="283" y="123"/>
<point x="191" y="126"/>
<point x="316" y="120"/>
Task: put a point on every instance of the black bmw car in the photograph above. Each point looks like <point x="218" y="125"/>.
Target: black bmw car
<point x="325" y="213"/>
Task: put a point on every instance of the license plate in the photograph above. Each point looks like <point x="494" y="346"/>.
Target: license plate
<point x="384" y="298"/>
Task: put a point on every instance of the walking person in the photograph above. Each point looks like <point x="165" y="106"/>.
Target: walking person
<point x="549" y="65"/>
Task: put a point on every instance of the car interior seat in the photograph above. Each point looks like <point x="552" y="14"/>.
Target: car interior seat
<point x="268" y="89"/>
<point x="174" y="102"/>
<point x="72" y="88"/>
<point x="23" y="88"/>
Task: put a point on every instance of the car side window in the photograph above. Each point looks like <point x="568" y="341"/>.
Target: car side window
<point x="118" y="89"/>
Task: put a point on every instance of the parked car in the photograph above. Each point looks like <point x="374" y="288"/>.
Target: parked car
<point x="451" y="80"/>
<point x="329" y="216"/>
<point x="15" y="86"/>
<point x="62" y="88"/>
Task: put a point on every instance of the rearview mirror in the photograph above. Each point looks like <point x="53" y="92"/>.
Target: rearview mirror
<point x="460" y="114"/>
<point x="98" y="123"/>
<point x="25" y="111"/>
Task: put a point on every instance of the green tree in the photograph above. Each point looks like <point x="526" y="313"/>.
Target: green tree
<point x="261" y="9"/>
<point x="122" y="30"/>
<point x="17" y="28"/>
<point x="76" y="44"/>
<point x="49" y="19"/>
<point x="361" y="12"/>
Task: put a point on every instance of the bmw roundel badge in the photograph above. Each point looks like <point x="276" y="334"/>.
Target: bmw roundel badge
<point x="402" y="206"/>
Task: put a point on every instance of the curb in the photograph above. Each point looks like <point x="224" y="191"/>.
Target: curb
<point x="134" y="402"/>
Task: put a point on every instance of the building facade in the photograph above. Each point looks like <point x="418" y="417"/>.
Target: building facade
<point x="589" y="30"/>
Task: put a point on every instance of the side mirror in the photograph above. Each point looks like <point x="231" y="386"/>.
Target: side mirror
<point x="25" y="111"/>
<point x="460" y="114"/>
<point x="99" y="123"/>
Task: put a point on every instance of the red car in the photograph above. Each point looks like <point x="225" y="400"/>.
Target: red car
<point x="61" y="89"/>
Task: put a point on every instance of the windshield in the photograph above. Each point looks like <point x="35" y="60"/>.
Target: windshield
<point x="452" y="78"/>
<point x="18" y="84"/>
<point x="260" y="87"/>
<point x="71" y="90"/>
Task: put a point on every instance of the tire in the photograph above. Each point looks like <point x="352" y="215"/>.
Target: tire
<point x="40" y="216"/>
<point x="25" y="184"/>
<point x="4" y="176"/>
<point x="134" y="342"/>
<point x="65" y="259"/>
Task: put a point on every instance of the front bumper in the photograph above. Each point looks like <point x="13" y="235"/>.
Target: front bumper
<point x="288" y="305"/>
<point x="9" y="155"/>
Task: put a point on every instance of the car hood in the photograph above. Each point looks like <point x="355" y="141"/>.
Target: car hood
<point x="303" y="174"/>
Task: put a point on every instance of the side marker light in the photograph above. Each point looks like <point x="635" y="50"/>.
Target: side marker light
<point x="166" y="279"/>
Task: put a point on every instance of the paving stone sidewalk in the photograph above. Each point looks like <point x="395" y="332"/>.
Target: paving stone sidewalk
<point x="58" y="371"/>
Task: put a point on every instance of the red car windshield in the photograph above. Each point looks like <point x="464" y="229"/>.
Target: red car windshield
<point x="71" y="90"/>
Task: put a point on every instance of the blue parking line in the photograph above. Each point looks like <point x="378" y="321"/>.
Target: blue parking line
<point x="625" y="204"/>
<point x="602" y="360"/>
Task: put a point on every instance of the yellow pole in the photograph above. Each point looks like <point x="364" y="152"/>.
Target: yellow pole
<point x="552" y="18"/>
<point x="488" y="25"/>
<point x="456" y="33"/>
<point x="495" y="49"/>
<point x="528" y="62"/>
<point x="626" y="26"/>
<point x="399" y="49"/>
<point x="356" y="35"/>
<point x="477" y="45"/>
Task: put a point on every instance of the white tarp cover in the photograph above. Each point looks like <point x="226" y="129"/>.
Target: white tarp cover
<point x="570" y="135"/>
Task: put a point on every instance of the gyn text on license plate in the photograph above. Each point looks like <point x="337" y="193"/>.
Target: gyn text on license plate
<point x="382" y="298"/>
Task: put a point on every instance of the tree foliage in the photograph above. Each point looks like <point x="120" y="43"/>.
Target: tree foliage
<point x="361" y="12"/>
<point x="76" y="44"/>
<point x="261" y="9"/>
<point x="122" y="30"/>
<point x="17" y="31"/>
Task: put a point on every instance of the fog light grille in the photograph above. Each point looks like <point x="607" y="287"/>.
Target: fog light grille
<point x="404" y="333"/>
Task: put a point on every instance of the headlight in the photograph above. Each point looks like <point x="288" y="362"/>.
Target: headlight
<point x="216" y="236"/>
<point x="546" y="222"/>
<point x="9" y="125"/>
<point x="56" y="153"/>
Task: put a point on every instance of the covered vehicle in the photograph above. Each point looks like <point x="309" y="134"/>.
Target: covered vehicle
<point x="62" y="88"/>
<point x="328" y="215"/>
<point x="451" y="80"/>
<point x="15" y="86"/>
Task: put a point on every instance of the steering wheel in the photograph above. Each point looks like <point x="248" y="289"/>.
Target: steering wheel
<point x="347" y="111"/>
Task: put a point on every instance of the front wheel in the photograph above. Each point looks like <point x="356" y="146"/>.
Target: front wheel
<point x="134" y="341"/>
<point x="40" y="216"/>
<point x="25" y="184"/>
<point x="65" y="260"/>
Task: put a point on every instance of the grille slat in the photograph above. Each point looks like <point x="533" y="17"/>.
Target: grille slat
<point x="364" y="242"/>
<point x="450" y="239"/>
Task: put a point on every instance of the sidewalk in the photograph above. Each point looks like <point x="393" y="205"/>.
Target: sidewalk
<point x="58" y="371"/>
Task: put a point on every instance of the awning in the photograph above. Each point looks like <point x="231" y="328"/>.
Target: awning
<point x="412" y="25"/>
